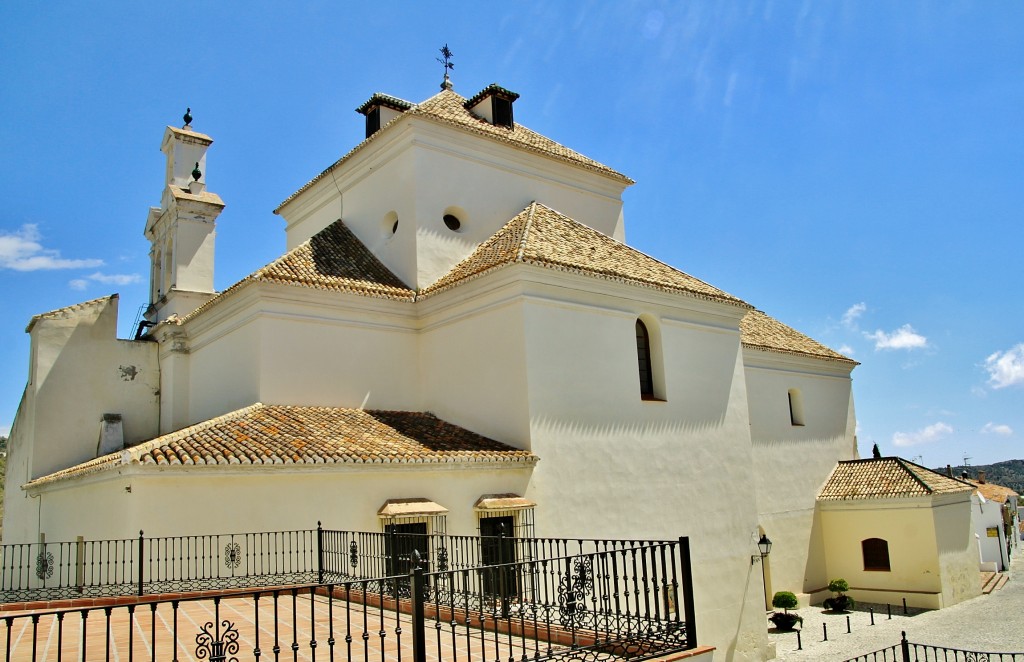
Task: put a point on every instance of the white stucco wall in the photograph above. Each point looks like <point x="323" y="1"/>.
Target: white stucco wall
<point x="615" y="465"/>
<point x="224" y="370"/>
<point x="472" y="357"/>
<point x="314" y="356"/>
<point x="204" y="500"/>
<point x="989" y="515"/>
<point x="421" y="170"/>
<point x="78" y="372"/>
<point x="792" y="462"/>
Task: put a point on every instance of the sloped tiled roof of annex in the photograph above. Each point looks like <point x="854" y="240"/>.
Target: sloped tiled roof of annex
<point x="993" y="492"/>
<point x="448" y="107"/>
<point x="541" y="236"/>
<point x="295" y="435"/>
<point x="66" y="310"/>
<point x="332" y="259"/>
<point x="886" y="477"/>
<point x="759" y="331"/>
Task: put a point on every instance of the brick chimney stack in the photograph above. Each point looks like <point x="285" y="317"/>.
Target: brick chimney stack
<point x="981" y="476"/>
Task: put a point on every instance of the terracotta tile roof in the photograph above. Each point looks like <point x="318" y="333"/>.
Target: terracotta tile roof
<point x="759" y="331"/>
<point x="381" y="99"/>
<point x="450" y="108"/>
<point x="993" y="492"/>
<point x="332" y="259"/>
<point x="447" y="107"/>
<point x="493" y="88"/>
<point x="886" y="477"/>
<point x="294" y="435"/>
<point x="542" y="236"/>
<point x="68" y="310"/>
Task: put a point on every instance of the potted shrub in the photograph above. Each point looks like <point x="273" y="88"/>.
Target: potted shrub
<point x="839" y="601"/>
<point x="784" y="620"/>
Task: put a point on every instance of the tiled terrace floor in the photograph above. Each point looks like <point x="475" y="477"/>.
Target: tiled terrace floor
<point x="304" y="629"/>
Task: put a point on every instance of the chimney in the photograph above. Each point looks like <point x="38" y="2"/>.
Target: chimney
<point x="981" y="476"/>
<point x="949" y="470"/>
<point x="111" y="434"/>
<point x="381" y="109"/>
<point x="494" y="104"/>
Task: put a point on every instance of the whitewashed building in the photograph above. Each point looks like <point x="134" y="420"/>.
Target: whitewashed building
<point x="456" y="322"/>
<point x="995" y="521"/>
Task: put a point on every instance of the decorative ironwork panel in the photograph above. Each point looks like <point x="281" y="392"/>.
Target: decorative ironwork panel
<point x="353" y="553"/>
<point x="572" y="593"/>
<point x="224" y="649"/>
<point x="232" y="555"/>
<point x="44" y="565"/>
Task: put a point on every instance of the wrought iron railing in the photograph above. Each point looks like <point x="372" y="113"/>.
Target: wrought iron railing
<point x="632" y="601"/>
<point x="360" y="554"/>
<point x="907" y="651"/>
<point x="141" y="566"/>
<point x="176" y="564"/>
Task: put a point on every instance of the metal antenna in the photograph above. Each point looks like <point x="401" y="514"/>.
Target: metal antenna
<point x="447" y="54"/>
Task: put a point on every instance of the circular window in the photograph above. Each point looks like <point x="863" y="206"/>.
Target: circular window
<point x="452" y="222"/>
<point x="389" y="224"/>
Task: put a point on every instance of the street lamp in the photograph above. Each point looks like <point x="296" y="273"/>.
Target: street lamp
<point x="764" y="547"/>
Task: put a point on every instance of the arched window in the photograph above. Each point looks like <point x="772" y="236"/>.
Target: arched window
<point x="876" y="554"/>
<point x="643" y="355"/>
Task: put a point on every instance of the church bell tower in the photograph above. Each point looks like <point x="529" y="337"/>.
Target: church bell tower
<point x="181" y="231"/>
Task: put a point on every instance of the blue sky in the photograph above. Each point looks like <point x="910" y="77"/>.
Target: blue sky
<point x="853" y="169"/>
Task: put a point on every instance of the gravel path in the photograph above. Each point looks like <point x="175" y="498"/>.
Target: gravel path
<point x="992" y="623"/>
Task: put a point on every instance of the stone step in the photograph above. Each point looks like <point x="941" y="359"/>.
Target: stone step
<point x="992" y="581"/>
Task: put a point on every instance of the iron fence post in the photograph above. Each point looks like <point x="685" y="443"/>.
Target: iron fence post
<point x="319" y="553"/>
<point x="905" y="646"/>
<point x="686" y="579"/>
<point x="502" y="580"/>
<point x="142" y="543"/>
<point x="419" y="627"/>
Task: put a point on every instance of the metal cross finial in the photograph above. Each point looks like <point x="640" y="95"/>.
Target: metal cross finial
<point x="447" y="54"/>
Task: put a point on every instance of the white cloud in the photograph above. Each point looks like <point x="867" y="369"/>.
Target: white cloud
<point x="5" y="430"/>
<point x="994" y="428"/>
<point x="846" y="349"/>
<point x="21" y="251"/>
<point x="902" y="338"/>
<point x="853" y="313"/>
<point x="107" y="279"/>
<point x="115" y="279"/>
<point x="926" y="435"/>
<point x="1006" y="368"/>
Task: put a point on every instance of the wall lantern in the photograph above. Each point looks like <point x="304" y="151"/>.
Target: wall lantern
<point x="764" y="547"/>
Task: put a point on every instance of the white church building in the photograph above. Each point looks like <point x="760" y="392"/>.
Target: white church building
<point x="455" y="322"/>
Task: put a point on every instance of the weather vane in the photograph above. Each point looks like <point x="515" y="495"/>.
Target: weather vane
<point x="447" y="54"/>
